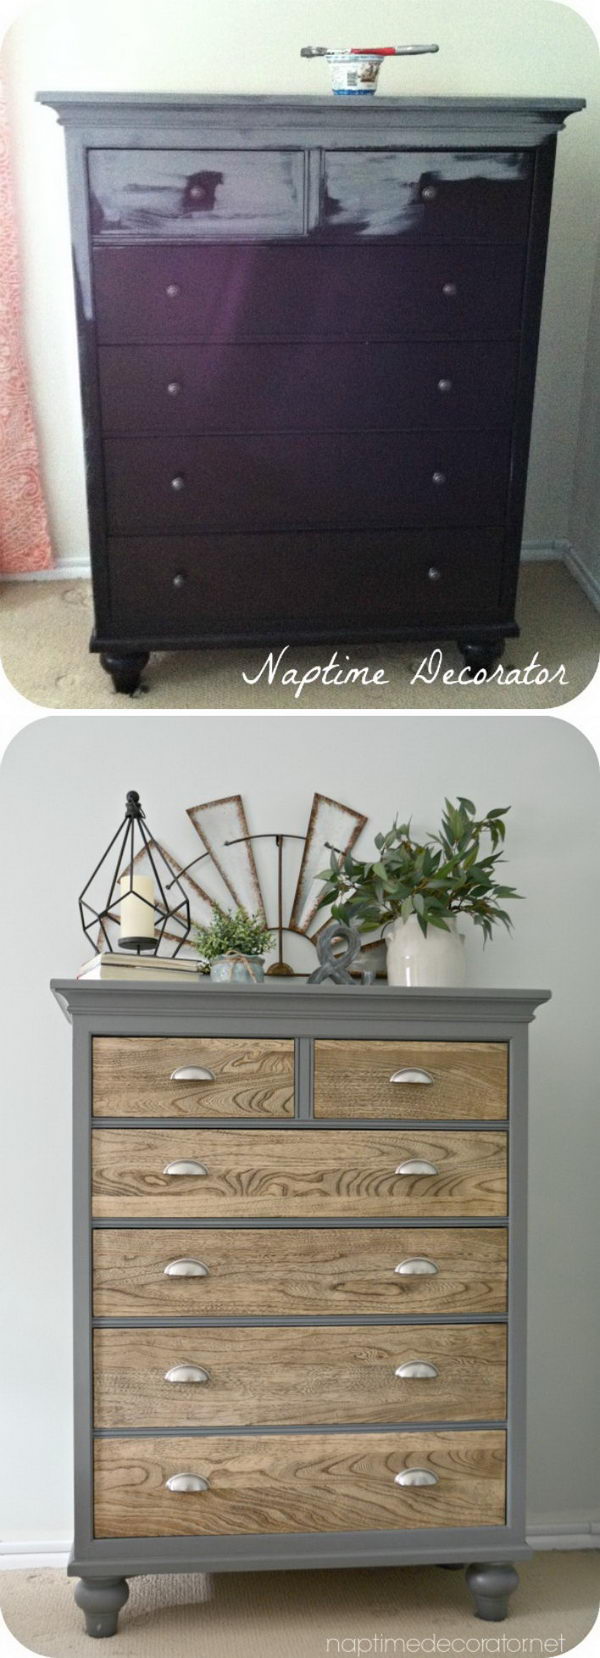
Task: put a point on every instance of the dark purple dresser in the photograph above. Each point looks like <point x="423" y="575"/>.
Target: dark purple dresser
<point x="308" y="332"/>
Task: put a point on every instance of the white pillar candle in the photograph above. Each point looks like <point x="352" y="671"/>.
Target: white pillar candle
<point x="137" y="917"/>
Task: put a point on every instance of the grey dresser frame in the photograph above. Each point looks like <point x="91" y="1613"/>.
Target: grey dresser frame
<point x="305" y="1013"/>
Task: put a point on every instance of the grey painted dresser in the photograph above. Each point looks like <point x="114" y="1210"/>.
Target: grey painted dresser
<point x="308" y="333"/>
<point x="299" y="1224"/>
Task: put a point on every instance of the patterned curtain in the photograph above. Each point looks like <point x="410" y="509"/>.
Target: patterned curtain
<point x="24" y="539"/>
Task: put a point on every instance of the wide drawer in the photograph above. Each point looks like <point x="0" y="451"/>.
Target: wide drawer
<point x="303" y="1482"/>
<point x="197" y="193"/>
<point x="296" y="1173"/>
<point x="203" y="586"/>
<point x="339" y="385"/>
<point x="289" y="1271"/>
<point x="307" y="292"/>
<point x="411" y="1079"/>
<point x="427" y="195"/>
<point x="145" y="1076"/>
<point x="302" y="480"/>
<point x="248" y="1377"/>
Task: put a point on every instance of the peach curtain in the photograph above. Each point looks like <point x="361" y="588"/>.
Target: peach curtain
<point x="24" y="539"/>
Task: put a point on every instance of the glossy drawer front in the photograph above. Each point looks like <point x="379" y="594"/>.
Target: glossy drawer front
<point x="197" y="193"/>
<point x="303" y="1482"/>
<point x="182" y="1378"/>
<point x="306" y="292"/>
<point x="163" y="389"/>
<point x="411" y="1079"/>
<point x="296" y="1173"/>
<point x="194" y="1272"/>
<point x="145" y="1076"/>
<point x="424" y="195"/>
<point x="278" y="481"/>
<point x="181" y="586"/>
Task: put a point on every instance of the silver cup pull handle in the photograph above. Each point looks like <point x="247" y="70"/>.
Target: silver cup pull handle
<point x="416" y="1266"/>
<point x="185" y="1165"/>
<point x="416" y="1165"/>
<point x="416" y="1476"/>
<point x="186" y="1372"/>
<point x="192" y="1073"/>
<point x="187" y="1482"/>
<point x="185" y="1267"/>
<point x="411" y="1074"/>
<point x="416" y="1370"/>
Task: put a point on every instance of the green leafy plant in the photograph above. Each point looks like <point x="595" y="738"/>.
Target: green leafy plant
<point x="445" y="875"/>
<point x="237" y="934"/>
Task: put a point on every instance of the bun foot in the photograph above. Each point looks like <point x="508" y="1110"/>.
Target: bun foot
<point x="491" y="1585"/>
<point x="483" y="657"/>
<point x="101" y="1600"/>
<point x="125" y="671"/>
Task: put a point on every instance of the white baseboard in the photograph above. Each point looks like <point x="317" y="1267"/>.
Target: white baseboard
<point x="532" y="552"/>
<point x="578" y="1533"/>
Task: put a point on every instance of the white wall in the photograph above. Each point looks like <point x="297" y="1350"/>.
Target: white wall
<point x="517" y="47"/>
<point x="62" y="784"/>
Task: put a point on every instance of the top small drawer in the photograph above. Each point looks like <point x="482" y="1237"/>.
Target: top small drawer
<point x="411" y="1080"/>
<point x="145" y="1076"/>
<point x="427" y="195"/>
<point x="197" y="194"/>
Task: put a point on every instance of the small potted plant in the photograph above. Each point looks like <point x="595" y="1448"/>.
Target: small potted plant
<point x="233" y="946"/>
<point x="416" y="889"/>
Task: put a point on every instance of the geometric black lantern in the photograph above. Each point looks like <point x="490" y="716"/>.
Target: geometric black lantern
<point x="131" y="896"/>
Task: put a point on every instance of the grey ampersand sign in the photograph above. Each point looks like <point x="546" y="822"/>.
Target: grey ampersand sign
<point x="336" y="967"/>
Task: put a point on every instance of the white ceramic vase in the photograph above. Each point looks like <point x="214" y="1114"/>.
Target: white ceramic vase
<point x="435" y="959"/>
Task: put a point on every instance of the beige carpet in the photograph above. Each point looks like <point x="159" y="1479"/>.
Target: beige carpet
<point x="45" y="629"/>
<point x="306" y="1614"/>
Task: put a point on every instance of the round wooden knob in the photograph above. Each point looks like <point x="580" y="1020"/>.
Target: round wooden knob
<point x="450" y="290"/>
<point x="438" y="478"/>
<point x="172" y="290"/>
<point x="433" y="574"/>
<point x="178" y="482"/>
<point x="444" y="385"/>
<point x="179" y="580"/>
<point x="174" y="388"/>
<point x="429" y="192"/>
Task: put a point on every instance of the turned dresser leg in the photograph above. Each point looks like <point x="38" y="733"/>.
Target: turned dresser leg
<point x="101" y="1600"/>
<point x="491" y="1584"/>
<point x="125" y="671"/>
<point x="483" y="656"/>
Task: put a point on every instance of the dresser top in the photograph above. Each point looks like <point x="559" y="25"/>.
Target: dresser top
<point x="478" y="121"/>
<point x="291" y="1001"/>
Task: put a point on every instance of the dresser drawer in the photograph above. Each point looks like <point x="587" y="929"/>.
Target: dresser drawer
<point x="298" y="481"/>
<point x="339" y="385"/>
<point x="181" y="586"/>
<point x="411" y="1079"/>
<point x="304" y="1482"/>
<point x="296" y="1173"/>
<point x="252" y="1377"/>
<point x="137" y="1076"/>
<point x="289" y="1271"/>
<point x="427" y="195"/>
<point x="197" y="193"/>
<point x="306" y="292"/>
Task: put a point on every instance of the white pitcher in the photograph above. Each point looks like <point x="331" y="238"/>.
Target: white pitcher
<point x="436" y="958"/>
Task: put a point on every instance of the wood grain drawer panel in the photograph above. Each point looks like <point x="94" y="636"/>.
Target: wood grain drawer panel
<point x="280" y="1272"/>
<point x="354" y="1079"/>
<point x="132" y="1076"/>
<point x="306" y="292"/>
<point x="181" y="586"/>
<point x="304" y="480"/>
<point x="302" y="387"/>
<point x="296" y="1173"/>
<point x="286" y="1483"/>
<point x="445" y="195"/>
<point x="197" y="193"/>
<point x="259" y="1376"/>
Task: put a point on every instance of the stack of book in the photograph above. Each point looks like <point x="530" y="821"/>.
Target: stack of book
<point x="123" y="965"/>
